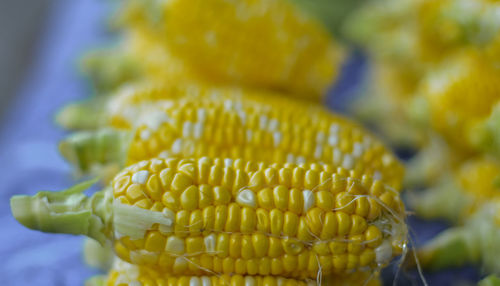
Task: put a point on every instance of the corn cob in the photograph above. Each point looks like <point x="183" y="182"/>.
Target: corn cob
<point x="233" y="123"/>
<point x="266" y="44"/>
<point x="190" y="217"/>
<point x="127" y="274"/>
<point x="474" y="242"/>
<point x="462" y="193"/>
<point x="451" y="96"/>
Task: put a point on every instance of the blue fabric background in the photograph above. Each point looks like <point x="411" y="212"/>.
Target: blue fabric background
<point x="30" y="162"/>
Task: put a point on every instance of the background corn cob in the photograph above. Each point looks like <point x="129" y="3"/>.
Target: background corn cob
<point x="237" y="123"/>
<point x="461" y="193"/>
<point x="267" y="44"/>
<point x="474" y="242"/>
<point x="196" y="216"/>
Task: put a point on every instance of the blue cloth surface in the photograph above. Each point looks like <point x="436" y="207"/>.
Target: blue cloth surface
<point x="30" y="161"/>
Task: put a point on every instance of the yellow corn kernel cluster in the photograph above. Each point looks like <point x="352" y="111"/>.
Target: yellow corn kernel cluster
<point x="128" y="274"/>
<point x="234" y="216"/>
<point x="461" y="95"/>
<point x="196" y="121"/>
<point x="265" y="43"/>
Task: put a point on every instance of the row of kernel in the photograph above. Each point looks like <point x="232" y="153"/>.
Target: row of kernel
<point x="306" y="264"/>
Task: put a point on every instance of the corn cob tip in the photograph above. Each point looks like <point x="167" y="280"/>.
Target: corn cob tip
<point x="69" y="211"/>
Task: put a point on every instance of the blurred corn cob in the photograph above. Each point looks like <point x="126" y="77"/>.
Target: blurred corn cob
<point x="474" y="242"/>
<point x="261" y="44"/>
<point x="461" y="193"/>
<point x="190" y="217"/>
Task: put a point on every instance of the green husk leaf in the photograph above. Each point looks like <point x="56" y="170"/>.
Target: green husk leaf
<point x="69" y="211"/>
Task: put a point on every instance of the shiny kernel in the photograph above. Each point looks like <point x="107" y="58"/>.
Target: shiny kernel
<point x="275" y="247"/>
<point x="120" y="185"/>
<point x="325" y="181"/>
<point x="222" y="247"/>
<point x="276" y="267"/>
<point x="228" y="178"/>
<point x="290" y="224"/>
<point x="235" y="245"/>
<point x="180" y="265"/>
<point x="329" y="226"/>
<point x="280" y="196"/>
<point x="388" y="199"/>
<point x="208" y="218"/>
<point x="321" y="248"/>
<point x="352" y="261"/>
<point x="373" y="236"/>
<point x="233" y="218"/>
<point x="355" y="188"/>
<point x="339" y="261"/>
<point x="295" y="201"/>
<point x="257" y="181"/>
<point x="241" y="180"/>
<point x="271" y="176"/>
<point x="358" y="224"/>
<point x="298" y="177"/>
<point x="265" y="268"/>
<point x="265" y="198"/>
<point x="221" y="195"/>
<point x="135" y="193"/>
<point x="290" y="262"/>
<point x="338" y="247"/>
<point x="375" y="209"/>
<point x="122" y="252"/>
<point x="144" y="204"/>
<point x="325" y="200"/>
<point x="339" y="183"/>
<point x="285" y="177"/>
<point x="345" y="202"/>
<point x="189" y="198"/>
<point x="181" y="226"/>
<point x="253" y="266"/>
<point x="175" y="245"/>
<point x="292" y="246"/>
<point x="170" y="201"/>
<point x="180" y="182"/>
<point x="303" y="232"/>
<point x="263" y="221"/>
<point x="355" y="245"/>
<point x="155" y="242"/>
<point x="166" y="177"/>
<point x="220" y="219"/>
<point x="343" y="223"/>
<point x="314" y="219"/>
<point x="195" y="245"/>
<point x="377" y="188"/>
<point x="276" y="219"/>
<point x="228" y="265"/>
<point x="247" y="251"/>
<point x="240" y="266"/>
<point x="157" y="206"/>
<point x="303" y="261"/>
<point x="362" y="206"/>
<point x="205" y="196"/>
<point x="248" y="220"/>
<point x="366" y="257"/>
<point x="260" y="244"/>
<point x="215" y="176"/>
<point x="311" y="179"/>
<point x="313" y="264"/>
